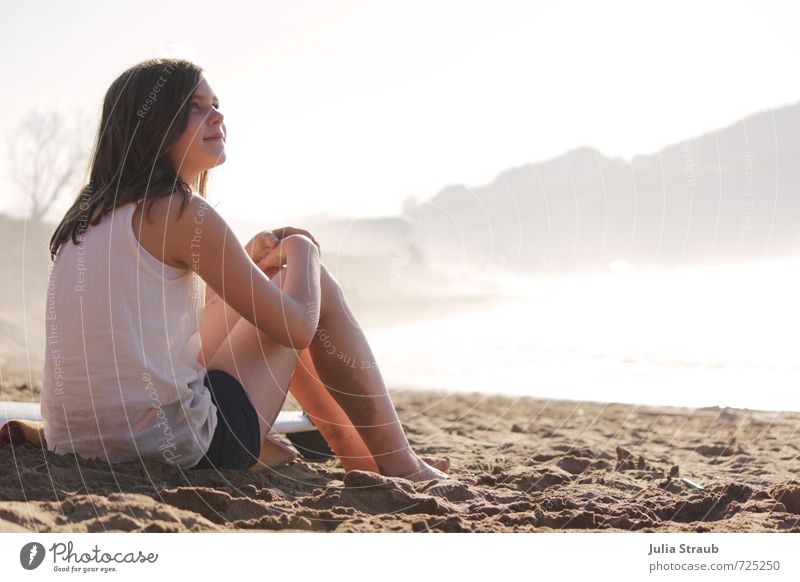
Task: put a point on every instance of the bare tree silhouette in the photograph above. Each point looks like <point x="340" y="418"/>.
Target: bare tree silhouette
<point x="46" y="157"/>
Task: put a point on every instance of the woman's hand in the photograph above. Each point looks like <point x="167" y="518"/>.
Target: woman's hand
<point x="282" y="233"/>
<point x="260" y="245"/>
<point x="278" y="256"/>
<point x="266" y="240"/>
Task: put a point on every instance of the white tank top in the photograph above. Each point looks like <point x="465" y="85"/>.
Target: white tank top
<point x="121" y="376"/>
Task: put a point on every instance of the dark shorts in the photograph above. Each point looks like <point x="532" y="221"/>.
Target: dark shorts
<point x="236" y="443"/>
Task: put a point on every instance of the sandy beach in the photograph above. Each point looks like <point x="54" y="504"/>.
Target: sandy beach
<point x="519" y="465"/>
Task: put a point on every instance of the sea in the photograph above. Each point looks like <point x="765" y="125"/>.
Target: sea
<point x="726" y="336"/>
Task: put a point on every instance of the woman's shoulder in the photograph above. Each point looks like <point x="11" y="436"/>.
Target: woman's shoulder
<point x="160" y="224"/>
<point x="170" y="208"/>
<point x="183" y="230"/>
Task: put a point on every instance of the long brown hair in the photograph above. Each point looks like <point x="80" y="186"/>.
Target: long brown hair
<point x="145" y="111"/>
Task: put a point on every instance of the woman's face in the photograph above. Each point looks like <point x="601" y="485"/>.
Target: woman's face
<point x="202" y="144"/>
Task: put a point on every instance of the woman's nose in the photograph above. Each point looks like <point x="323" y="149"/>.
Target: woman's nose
<point x="216" y="118"/>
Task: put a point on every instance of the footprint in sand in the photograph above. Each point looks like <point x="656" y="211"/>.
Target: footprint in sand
<point x="375" y="494"/>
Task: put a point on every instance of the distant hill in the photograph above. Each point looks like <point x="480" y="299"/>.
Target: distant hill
<point x="731" y="195"/>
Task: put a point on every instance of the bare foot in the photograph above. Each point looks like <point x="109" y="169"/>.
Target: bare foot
<point x="274" y="453"/>
<point x="441" y="463"/>
<point x="424" y="472"/>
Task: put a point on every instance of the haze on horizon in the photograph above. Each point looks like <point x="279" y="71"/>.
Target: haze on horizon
<point x="349" y="108"/>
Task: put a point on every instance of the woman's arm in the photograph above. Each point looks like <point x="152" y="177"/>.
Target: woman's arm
<point x="200" y="237"/>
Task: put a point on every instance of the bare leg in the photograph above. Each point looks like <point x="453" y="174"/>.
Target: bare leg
<point x="345" y="364"/>
<point x="333" y="423"/>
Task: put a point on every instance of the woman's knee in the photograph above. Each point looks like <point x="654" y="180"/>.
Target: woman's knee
<point x="333" y="297"/>
<point x="326" y="275"/>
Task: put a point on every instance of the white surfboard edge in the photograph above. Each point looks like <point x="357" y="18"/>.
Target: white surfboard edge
<point x="288" y="421"/>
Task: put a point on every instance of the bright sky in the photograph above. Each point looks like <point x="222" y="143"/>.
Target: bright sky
<point x="349" y="107"/>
